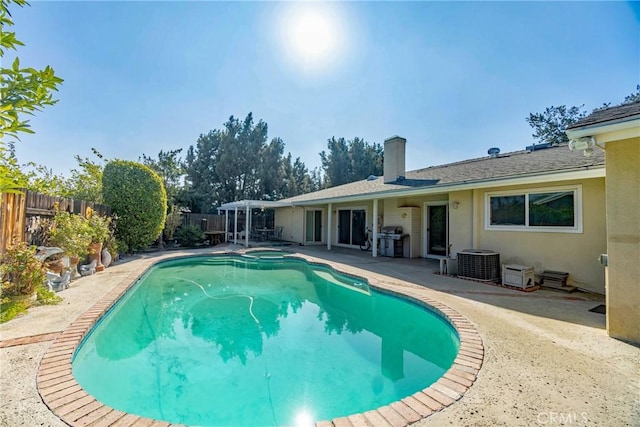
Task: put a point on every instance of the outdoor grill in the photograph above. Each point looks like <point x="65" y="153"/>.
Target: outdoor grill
<point x="391" y="241"/>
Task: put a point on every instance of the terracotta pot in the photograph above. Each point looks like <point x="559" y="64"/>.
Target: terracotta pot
<point x="95" y="252"/>
<point x="55" y="266"/>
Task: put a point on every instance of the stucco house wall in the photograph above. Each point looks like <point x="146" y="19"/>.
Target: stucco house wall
<point x="291" y="219"/>
<point x="623" y="247"/>
<point x="461" y="224"/>
<point x="574" y="253"/>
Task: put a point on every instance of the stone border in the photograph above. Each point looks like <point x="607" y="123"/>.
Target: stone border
<point x="73" y="405"/>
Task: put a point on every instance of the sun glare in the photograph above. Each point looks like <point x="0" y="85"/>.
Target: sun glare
<point x="312" y="35"/>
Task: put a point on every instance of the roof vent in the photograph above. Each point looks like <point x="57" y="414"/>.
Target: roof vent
<point x="372" y="178"/>
<point x="493" y="151"/>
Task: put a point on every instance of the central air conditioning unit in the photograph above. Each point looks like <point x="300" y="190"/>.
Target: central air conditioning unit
<point x="479" y="264"/>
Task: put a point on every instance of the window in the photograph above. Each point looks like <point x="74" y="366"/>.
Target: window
<point x="551" y="209"/>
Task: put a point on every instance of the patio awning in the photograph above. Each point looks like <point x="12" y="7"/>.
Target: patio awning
<point x="252" y="204"/>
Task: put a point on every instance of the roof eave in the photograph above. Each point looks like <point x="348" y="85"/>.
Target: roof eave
<point x="253" y="204"/>
<point x="631" y="123"/>
<point x="589" y="172"/>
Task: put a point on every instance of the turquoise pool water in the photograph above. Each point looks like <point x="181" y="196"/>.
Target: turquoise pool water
<point x="238" y="341"/>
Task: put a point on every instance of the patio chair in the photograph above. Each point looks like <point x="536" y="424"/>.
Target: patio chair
<point x="58" y="282"/>
<point x="277" y="235"/>
<point x="255" y="235"/>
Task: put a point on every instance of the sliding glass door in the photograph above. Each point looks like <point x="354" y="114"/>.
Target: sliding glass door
<point x="352" y="226"/>
<point x="313" y="226"/>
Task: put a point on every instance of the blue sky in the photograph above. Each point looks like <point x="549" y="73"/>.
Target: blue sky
<point x="454" y="78"/>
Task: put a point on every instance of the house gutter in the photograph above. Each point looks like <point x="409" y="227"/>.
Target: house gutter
<point x="588" y="172"/>
<point x="627" y="125"/>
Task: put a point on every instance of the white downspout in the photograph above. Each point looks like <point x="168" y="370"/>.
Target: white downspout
<point x="374" y="243"/>
<point x="329" y="207"/>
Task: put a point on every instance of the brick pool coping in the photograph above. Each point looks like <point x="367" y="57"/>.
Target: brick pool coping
<point x="72" y="404"/>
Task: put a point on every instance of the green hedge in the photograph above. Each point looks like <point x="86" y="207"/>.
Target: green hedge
<point x="137" y="196"/>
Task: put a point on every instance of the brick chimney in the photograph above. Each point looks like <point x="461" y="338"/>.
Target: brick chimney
<point x="394" y="148"/>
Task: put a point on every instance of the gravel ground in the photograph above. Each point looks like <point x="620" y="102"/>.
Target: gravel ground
<point x="548" y="360"/>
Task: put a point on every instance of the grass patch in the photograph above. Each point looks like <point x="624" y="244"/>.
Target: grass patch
<point x="11" y="308"/>
<point x="46" y="297"/>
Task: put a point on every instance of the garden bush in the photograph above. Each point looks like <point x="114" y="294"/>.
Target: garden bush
<point x="21" y="273"/>
<point x="189" y="235"/>
<point x="137" y="196"/>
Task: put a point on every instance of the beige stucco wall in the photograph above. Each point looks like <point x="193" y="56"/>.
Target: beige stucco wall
<point x="574" y="253"/>
<point x="461" y="221"/>
<point x="623" y="245"/>
<point x="291" y="220"/>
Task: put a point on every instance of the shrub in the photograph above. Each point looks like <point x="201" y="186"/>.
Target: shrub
<point x="137" y="196"/>
<point x="46" y="297"/>
<point x="11" y="308"/>
<point x="70" y="233"/>
<point x="174" y="218"/>
<point x="189" y="235"/>
<point x="21" y="272"/>
<point x="98" y="227"/>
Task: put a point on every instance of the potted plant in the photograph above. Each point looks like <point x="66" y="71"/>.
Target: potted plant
<point x="21" y="272"/>
<point x="99" y="233"/>
<point x="71" y="233"/>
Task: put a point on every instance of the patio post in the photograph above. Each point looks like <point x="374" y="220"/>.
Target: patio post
<point x="226" y="225"/>
<point x="235" y="228"/>
<point x="246" y="227"/>
<point x="374" y="235"/>
<point x="329" y="227"/>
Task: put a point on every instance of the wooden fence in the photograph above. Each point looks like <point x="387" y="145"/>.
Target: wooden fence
<point x="23" y="217"/>
<point x="206" y="222"/>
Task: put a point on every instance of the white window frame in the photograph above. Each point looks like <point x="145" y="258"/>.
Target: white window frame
<point x="577" y="210"/>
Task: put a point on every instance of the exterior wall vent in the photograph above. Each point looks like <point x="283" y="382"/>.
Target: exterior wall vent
<point x="479" y="264"/>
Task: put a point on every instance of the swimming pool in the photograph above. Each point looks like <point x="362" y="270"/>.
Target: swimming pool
<point x="237" y="341"/>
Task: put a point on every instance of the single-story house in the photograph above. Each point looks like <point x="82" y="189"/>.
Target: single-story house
<point x="542" y="207"/>
<point x="547" y="206"/>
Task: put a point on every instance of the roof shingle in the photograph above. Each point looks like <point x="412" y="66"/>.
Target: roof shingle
<point x="608" y="114"/>
<point x="508" y="165"/>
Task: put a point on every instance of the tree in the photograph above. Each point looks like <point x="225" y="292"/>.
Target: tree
<point x="12" y="179"/>
<point x="23" y="91"/>
<point x="86" y="181"/>
<point x="549" y="126"/>
<point x="634" y="97"/>
<point x="137" y="196"/>
<point x="200" y="194"/>
<point x="170" y="168"/>
<point x="42" y="179"/>
<point x="236" y="163"/>
<point x="349" y="161"/>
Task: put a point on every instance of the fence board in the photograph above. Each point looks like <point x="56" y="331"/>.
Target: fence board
<point x="12" y="219"/>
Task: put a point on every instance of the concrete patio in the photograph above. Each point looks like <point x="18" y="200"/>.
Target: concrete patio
<point x="547" y="359"/>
